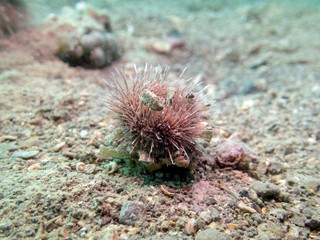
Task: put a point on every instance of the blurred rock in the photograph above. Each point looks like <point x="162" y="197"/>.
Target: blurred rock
<point x="86" y="39"/>
<point x="130" y="213"/>
<point x="211" y="233"/>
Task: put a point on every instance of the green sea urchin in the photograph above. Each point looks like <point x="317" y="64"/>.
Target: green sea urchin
<point x="161" y="118"/>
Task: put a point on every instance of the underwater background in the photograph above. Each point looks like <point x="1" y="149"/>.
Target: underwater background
<point x="103" y="137"/>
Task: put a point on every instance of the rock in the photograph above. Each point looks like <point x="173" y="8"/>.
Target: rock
<point x="297" y="233"/>
<point x="313" y="223"/>
<point x="130" y="213"/>
<point x="89" y="168"/>
<point x="204" y="219"/>
<point x="258" y="62"/>
<point x="266" y="190"/>
<point x="90" y="44"/>
<point x="25" y="154"/>
<point x="234" y="153"/>
<point x="5" y="148"/>
<point x="275" y="168"/>
<point x="298" y="219"/>
<point x="159" y="46"/>
<point x="270" y="230"/>
<point x="59" y="146"/>
<point x="279" y="214"/>
<point x="211" y="233"/>
<point x="215" y="215"/>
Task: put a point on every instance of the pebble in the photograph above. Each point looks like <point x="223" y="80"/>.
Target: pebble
<point x="89" y="168"/>
<point x="266" y="190"/>
<point x="279" y="214"/>
<point x="159" y="46"/>
<point x="313" y="223"/>
<point x="35" y="166"/>
<point x="297" y="233"/>
<point x="5" y="148"/>
<point x="211" y="233"/>
<point x="8" y="138"/>
<point x="215" y="215"/>
<point x="83" y="133"/>
<point x="270" y="230"/>
<point x="130" y="213"/>
<point x="298" y="219"/>
<point x="203" y="220"/>
<point x="59" y="146"/>
<point x="275" y="168"/>
<point x="25" y="154"/>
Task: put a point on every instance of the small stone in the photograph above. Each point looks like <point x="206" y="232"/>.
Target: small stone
<point x="34" y="167"/>
<point x="130" y="213"/>
<point x="159" y="46"/>
<point x="313" y="223"/>
<point x="68" y="154"/>
<point x="279" y="214"/>
<point x="8" y="138"/>
<point x="288" y="150"/>
<point x="59" y="146"/>
<point x="215" y="215"/>
<point x="270" y="230"/>
<point x="297" y="233"/>
<point x="89" y="168"/>
<point x="206" y="216"/>
<point x="165" y="226"/>
<point x="224" y="133"/>
<point x="83" y="133"/>
<point x="266" y="190"/>
<point x="232" y="225"/>
<point x="211" y="233"/>
<point x="5" y="148"/>
<point x="203" y="220"/>
<point x="25" y="154"/>
<point x="275" y="168"/>
<point x="212" y="200"/>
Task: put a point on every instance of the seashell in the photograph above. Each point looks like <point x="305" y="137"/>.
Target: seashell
<point x="80" y="167"/>
<point x="151" y="100"/>
<point x="33" y="167"/>
<point x="112" y="167"/>
<point x="166" y="191"/>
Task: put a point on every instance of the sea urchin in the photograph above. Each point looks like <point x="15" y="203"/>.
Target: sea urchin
<point x="161" y="118"/>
